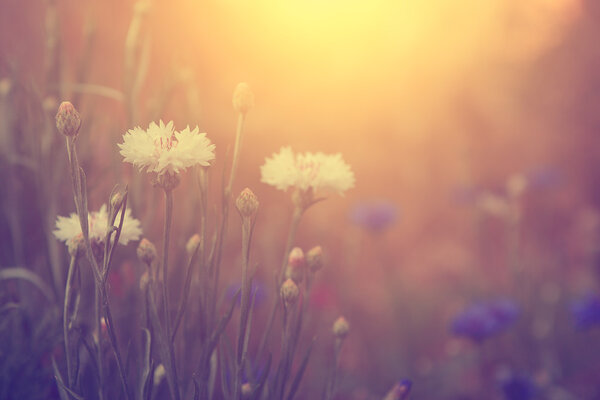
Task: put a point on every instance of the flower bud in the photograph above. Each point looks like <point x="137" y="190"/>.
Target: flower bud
<point x="116" y="201"/>
<point x="167" y="181"/>
<point x="159" y="374"/>
<point x="192" y="243"/>
<point x="399" y="391"/>
<point x="5" y="87"/>
<point x="295" y="266"/>
<point x="103" y="327"/>
<point x="246" y="390"/>
<point x="68" y="120"/>
<point x="243" y="98"/>
<point x="314" y="259"/>
<point x="289" y="292"/>
<point x="146" y="252"/>
<point x="247" y="203"/>
<point x="341" y="328"/>
<point x="296" y="257"/>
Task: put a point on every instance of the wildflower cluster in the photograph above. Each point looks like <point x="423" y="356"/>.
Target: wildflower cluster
<point x="481" y="321"/>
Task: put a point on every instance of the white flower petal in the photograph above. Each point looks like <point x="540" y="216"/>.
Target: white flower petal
<point x="161" y="149"/>
<point x="318" y="171"/>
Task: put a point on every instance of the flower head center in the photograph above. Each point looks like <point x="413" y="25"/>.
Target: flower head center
<point x="308" y="168"/>
<point x="165" y="143"/>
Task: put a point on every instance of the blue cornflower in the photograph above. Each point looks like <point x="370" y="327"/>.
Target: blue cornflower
<point x="586" y="311"/>
<point x="400" y="391"/>
<point x="518" y="387"/>
<point x="375" y="215"/>
<point x="257" y="290"/>
<point x="480" y="321"/>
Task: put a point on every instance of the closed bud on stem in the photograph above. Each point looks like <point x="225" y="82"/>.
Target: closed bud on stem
<point x="399" y="391"/>
<point x="146" y="252"/>
<point x="191" y="244"/>
<point x="247" y="203"/>
<point x="243" y="98"/>
<point x="314" y="259"/>
<point x="68" y="120"/>
<point x="159" y="374"/>
<point x="116" y="201"/>
<point x="246" y="390"/>
<point x="166" y="181"/>
<point x="103" y="326"/>
<point x="295" y="266"/>
<point x="341" y="328"/>
<point x="289" y="292"/>
<point x="5" y="87"/>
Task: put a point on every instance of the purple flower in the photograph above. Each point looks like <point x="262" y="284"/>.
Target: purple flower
<point x="400" y="391"/>
<point x="586" y="311"/>
<point x="518" y="387"/>
<point x="545" y="177"/>
<point x="375" y="215"/>
<point x="257" y="290"/>
<point x="483" y="320"/>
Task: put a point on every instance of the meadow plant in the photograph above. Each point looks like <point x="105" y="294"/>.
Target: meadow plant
<point x="202" y="361"/>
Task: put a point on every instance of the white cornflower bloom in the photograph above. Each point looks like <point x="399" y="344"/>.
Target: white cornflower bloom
<point x="161" y="149"/>
<point x="303" y="171"/>
<point x="68" y="228"/>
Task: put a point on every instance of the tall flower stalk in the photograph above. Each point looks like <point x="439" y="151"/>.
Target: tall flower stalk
<point x="247" y="205"/>
<point x="68" y="123"/>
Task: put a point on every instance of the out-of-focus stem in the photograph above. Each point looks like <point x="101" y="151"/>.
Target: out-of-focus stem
<point x="113" y="340"/>
<point x="336" y="361"/>
<point x="52" y="62"/>
<point x="66" y="321"/>
<point x="236" y="153"/>
<point x="215" y="264"/>
<point x="245" y="297"/>
<point x="97" y="316"/>
<point x="167" y="312"/>
<point x="296" y="216"/>
<point x="89" y="33"/>
<point x="166" y="236"/>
